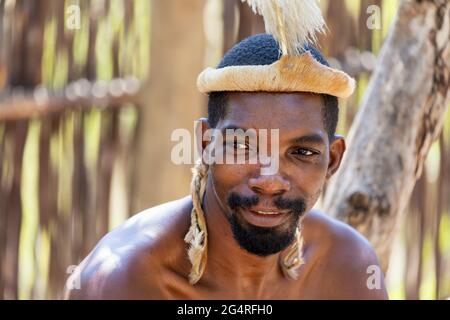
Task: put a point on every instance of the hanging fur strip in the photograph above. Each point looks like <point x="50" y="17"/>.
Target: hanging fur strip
<point x="197" y="236"/>
<point x="294" y="258"/>
<point x="293" y="23"/>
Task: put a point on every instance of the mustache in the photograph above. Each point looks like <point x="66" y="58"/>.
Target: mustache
<point x="296" y="206"/>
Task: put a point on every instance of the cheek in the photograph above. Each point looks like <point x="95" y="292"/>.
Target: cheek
<point x="310" y="179"/>
<point x="228" y="178"/>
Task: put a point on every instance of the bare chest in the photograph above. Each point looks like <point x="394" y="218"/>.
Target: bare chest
<point x="174" y="286"/>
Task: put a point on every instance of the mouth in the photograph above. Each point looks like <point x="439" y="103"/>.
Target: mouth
<point x="266" y="212"/>
<point x="264" y="217"/>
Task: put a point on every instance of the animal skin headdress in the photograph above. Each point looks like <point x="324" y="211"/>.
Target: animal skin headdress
<point x="298" y="67"/>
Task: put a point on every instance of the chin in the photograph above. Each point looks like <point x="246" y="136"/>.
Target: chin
<point x="263" y="241"/>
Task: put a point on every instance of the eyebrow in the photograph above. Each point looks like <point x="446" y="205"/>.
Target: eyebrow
<point x="233" y="127"/>
<point x="311" y="139"/>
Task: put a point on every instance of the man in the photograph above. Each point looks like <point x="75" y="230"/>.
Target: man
<point x="251" y="218"/>
<point x="250" y="235"/>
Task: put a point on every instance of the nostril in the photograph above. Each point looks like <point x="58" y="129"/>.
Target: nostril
<point x="264" y="191"/>
<point x="279" y="192"/>
<point x="269" y="185"/>
<point x="256" y="189"/>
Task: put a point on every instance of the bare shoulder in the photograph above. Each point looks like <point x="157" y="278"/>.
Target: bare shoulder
<point x="347" y="263"/>
<point x="126" y="261"/>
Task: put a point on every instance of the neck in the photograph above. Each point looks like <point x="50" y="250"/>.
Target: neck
<point x="228" y="263"/>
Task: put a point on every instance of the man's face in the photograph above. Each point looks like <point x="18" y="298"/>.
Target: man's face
<point x="264" y="210"/>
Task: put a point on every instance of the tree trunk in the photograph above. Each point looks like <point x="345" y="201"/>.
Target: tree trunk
<point x="400" y="117"/>
<point x="170" y="101"/>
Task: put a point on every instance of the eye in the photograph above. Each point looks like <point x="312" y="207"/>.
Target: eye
<point x="237" y="145"/>
<point x="304" y="152"/>
<point x="240" y="146"/>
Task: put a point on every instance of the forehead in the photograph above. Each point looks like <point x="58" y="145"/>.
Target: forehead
<point x="284" y="111"/>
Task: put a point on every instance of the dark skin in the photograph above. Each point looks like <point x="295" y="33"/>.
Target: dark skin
<point x="146" y="258"/>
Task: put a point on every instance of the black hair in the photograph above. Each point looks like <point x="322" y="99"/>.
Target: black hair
<point x="262" y="49"/>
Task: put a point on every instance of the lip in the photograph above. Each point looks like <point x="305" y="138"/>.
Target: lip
<point x="264" y="217"/>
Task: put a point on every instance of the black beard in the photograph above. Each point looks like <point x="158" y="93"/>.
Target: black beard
<point x="263" y="241"/>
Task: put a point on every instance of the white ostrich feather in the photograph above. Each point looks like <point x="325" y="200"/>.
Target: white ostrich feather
<point x="293" y="23"/>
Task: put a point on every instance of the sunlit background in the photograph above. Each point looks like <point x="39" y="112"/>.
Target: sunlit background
<point x="87" y="107"/>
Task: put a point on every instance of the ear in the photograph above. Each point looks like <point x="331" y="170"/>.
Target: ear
<point x="200" y="128"/>
<point x="337" y="150"/>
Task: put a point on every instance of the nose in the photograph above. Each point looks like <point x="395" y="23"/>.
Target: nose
<point x="269" y="184"/>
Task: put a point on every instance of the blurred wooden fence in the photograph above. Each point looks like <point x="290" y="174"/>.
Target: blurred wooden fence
<point x="68" y="114"/>
<point x="66" y="109"/>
